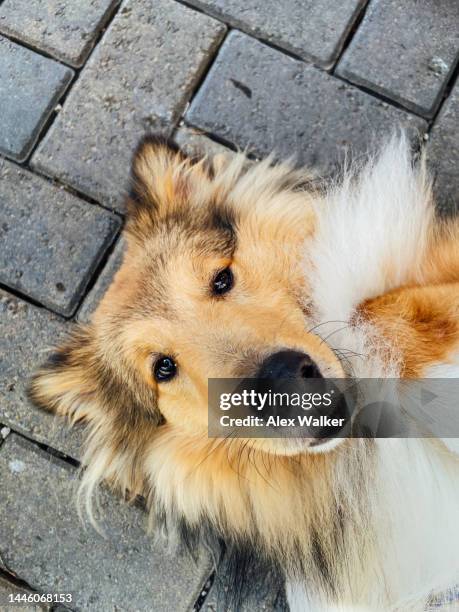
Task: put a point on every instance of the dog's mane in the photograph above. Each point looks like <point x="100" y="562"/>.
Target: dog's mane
<point x="326" y="518"/>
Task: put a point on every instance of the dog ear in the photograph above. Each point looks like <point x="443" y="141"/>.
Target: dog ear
<point x="67" y="383"/>
<point x="80" y="382"/>
<point x="159" y="176"/>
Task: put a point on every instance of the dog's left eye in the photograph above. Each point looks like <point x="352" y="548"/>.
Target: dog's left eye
<point x="223" y="281"/>
<point x="165" y="369"/>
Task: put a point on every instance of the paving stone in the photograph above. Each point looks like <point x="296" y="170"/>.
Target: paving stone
<point x="303" y="111"/>
<point x="52" y="242"/>
<point x="405" y="50"/>
<point x="312" y="29"/>
<point x="262" y="590"/>
<point x="64" y="29"/>
<point x="138" y="79"/>
<point x="27" y="333"/>
<point x="49" y="547"/>
<point x="100" y="287"/>
<point x="443" y="154"/>
<point x="194" y="142"/>
<point x="30" y="86"/>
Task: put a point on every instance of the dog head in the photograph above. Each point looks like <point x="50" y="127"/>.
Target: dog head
<point x="211" y="286"/>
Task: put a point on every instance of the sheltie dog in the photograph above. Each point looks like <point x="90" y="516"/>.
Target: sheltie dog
<point x="230" y="264"/>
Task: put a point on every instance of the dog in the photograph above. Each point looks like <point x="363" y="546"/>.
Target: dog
<point x="229" y="264"/>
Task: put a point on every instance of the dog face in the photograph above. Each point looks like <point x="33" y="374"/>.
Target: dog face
<point x="211" y="286"/>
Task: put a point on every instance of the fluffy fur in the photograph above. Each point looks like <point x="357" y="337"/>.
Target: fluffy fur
<point x="362" y="277"/>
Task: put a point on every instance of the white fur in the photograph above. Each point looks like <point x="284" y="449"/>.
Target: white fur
<point x="415" y="510"/>
<point x="371" y="232"/>
<point x="371" y="236"/>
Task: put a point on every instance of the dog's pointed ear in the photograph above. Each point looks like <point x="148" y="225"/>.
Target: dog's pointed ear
<point x="80" y="381"/>
<point x="86" y="379"/>
<point x="159" y="177"/>
<point x="67" y="383"/>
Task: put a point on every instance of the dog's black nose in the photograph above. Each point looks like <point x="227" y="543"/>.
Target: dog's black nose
<point x="288" y="364"/>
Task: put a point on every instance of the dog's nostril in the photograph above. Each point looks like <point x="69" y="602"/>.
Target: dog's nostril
<point x="310" y="370"/>
<point x="288" y="364"/>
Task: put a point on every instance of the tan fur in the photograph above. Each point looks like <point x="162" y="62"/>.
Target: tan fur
<point x="421" y="322"/>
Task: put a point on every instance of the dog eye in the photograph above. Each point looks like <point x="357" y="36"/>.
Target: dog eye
<point x="223" y="282"/>
<point x="165" y="368"/>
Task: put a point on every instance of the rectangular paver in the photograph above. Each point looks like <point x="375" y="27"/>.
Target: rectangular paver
<point x="66" y="29"/>
<point x="405" y="50"/>
<point x="312" y="29"/>
<point x="138" y="79"/>
<point x="52" y="550"/>
<point x="27" y="334"/>
<point x="51" y="241"/>
<point x="30" y="86"/>
<point x="101" y="285"/>
<point x="193" y="142"/>
<point x="302" y="111"/>
<point x="443" y="154"/>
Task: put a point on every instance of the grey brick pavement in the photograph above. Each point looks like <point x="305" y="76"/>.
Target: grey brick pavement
<point x="119" y="569"/>
<point x="194" y="142"/>
<point x="420" y="39"/>
<point x="303" y="111"/>
<point x="154" y="58"/>
<point x="138" y="79"/>
<point x="443" y="152"/>
<point x="312" y="29"/>
<point x="65" y="30"/>
<point x="51" y="240"/>
<point x="95" y="295"/>
<point x="30" y="86"/>
<point x="27" y="333"/>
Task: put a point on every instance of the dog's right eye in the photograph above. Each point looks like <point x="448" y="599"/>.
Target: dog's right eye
<point x="223" y="282"/>
<point x="164" y="369"/>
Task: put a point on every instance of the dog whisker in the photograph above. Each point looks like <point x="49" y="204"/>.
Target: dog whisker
<point x="311" y="329"/>
<point x="333" y="333"/>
